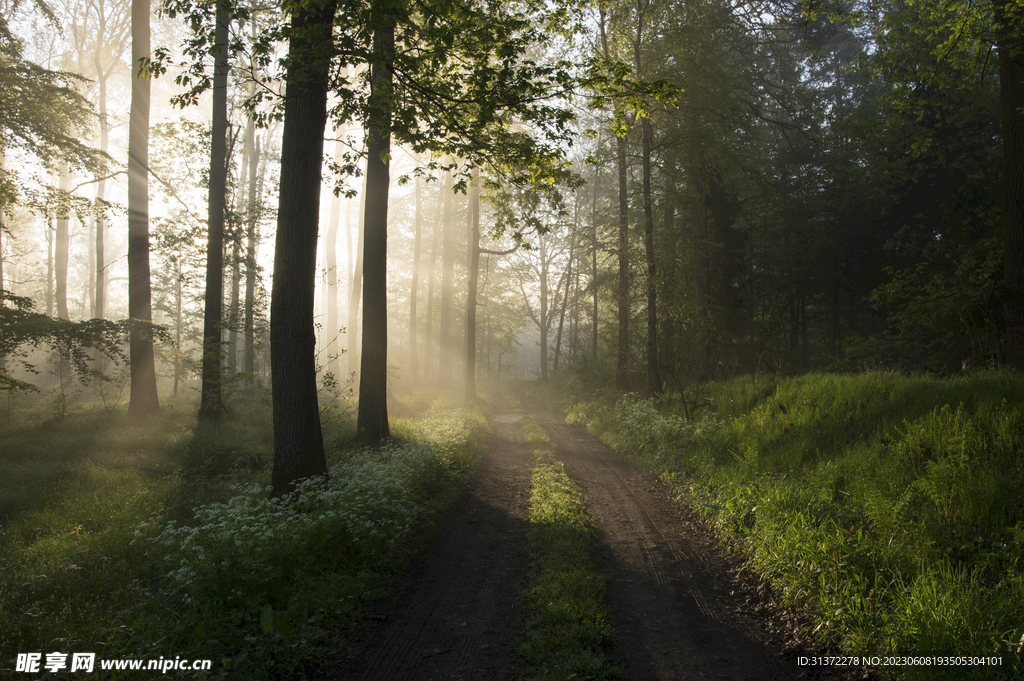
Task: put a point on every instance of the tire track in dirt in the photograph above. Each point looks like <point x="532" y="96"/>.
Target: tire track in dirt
<point x="459" y="616"/>
<point x="674" y="612"/>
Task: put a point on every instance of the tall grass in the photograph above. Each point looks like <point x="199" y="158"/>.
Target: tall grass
<point x="890" y="508"/>
<point x="160" y="539"/>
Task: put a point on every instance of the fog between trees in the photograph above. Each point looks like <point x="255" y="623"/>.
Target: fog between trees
<point x="654" y="194"/>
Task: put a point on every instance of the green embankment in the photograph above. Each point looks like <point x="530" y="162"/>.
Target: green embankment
<point x="160" y="540"/>
<point x="890" y="508"/>
<point x="567" y="625"/>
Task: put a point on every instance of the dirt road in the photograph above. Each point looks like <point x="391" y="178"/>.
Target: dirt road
<point x="681" y="607"/>
<point x="459" y="617"/>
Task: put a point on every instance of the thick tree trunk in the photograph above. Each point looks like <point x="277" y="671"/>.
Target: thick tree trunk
<point x="473" y="249"/>
<point x="1010" y="40"/>
<point x="211" y="405"/>
<point x="62" y="246"/>
<point x="144" y="399"/>
<point x="372" y="419"/>
<point x="298" y="440"/>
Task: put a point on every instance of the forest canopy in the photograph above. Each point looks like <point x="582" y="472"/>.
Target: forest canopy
<point x="656" y="192"/>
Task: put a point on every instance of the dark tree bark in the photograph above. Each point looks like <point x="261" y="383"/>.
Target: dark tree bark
<point x="372" y="419"/>
<point x="143" y="399"/>
<point x="1010" y="40"/>
<point x="298" y="440"/>
<point x="211" y="405"/>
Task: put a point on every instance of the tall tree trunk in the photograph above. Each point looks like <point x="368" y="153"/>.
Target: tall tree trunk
<point x="3" y="207"/>
<point x="428" y="336"/>
<point x="62" y="245"/>
<point x="178" y="280"/>
<point x="236" y="303"/>
<point x="414" y="360"/>
<point x="100" y="297"/>
<point x="333" y="276"/>
<point x="565" y="304"/>
<point x="144" y="399"/>
<point x="372" y="419"/>
<point x="356" y="291"/>
<point x="249" y="359"/>
<point x="1010" y="40"/>
<point x="444" y="362"/>
<point x="211" y="404"/>
<point x="593" y="271"/>
<point x="653" y="375"/>
<point x="622" y="357"/>
<point x="544" y="322"/>
<point x="49" y="265"/>
<point x="473" y="248"/>
<point x="298" y="440"/>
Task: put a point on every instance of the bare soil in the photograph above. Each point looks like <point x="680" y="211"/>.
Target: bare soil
<point x="682" y="606"/>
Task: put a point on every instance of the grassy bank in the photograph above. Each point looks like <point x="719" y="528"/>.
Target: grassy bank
<point x="889" y="508"/>
<point x="160" y="540"/>
<point x="567" y="619"/>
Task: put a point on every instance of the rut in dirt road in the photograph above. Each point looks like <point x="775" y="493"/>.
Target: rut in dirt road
<point x="461" y="617"/>
<point x="671" y="615"/>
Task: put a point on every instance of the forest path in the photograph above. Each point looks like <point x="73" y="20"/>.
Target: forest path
<point x="459" y="615"/>
<point x="682" y="608"/>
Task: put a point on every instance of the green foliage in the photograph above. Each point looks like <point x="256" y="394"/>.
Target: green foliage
<point x="567" y="632"/>
<point x="25" y="330"/>
<point x="886" y="506"/>
<point x="42" y="113"/>
<point x="142" y="542"/>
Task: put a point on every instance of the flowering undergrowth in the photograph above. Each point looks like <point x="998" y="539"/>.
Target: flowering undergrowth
<point x="286" y="573"/>
<point x="887" y="507"/>
<point x="157" y="556"/>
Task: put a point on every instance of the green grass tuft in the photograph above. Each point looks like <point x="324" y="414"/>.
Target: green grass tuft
<point x="567" y="621"/>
